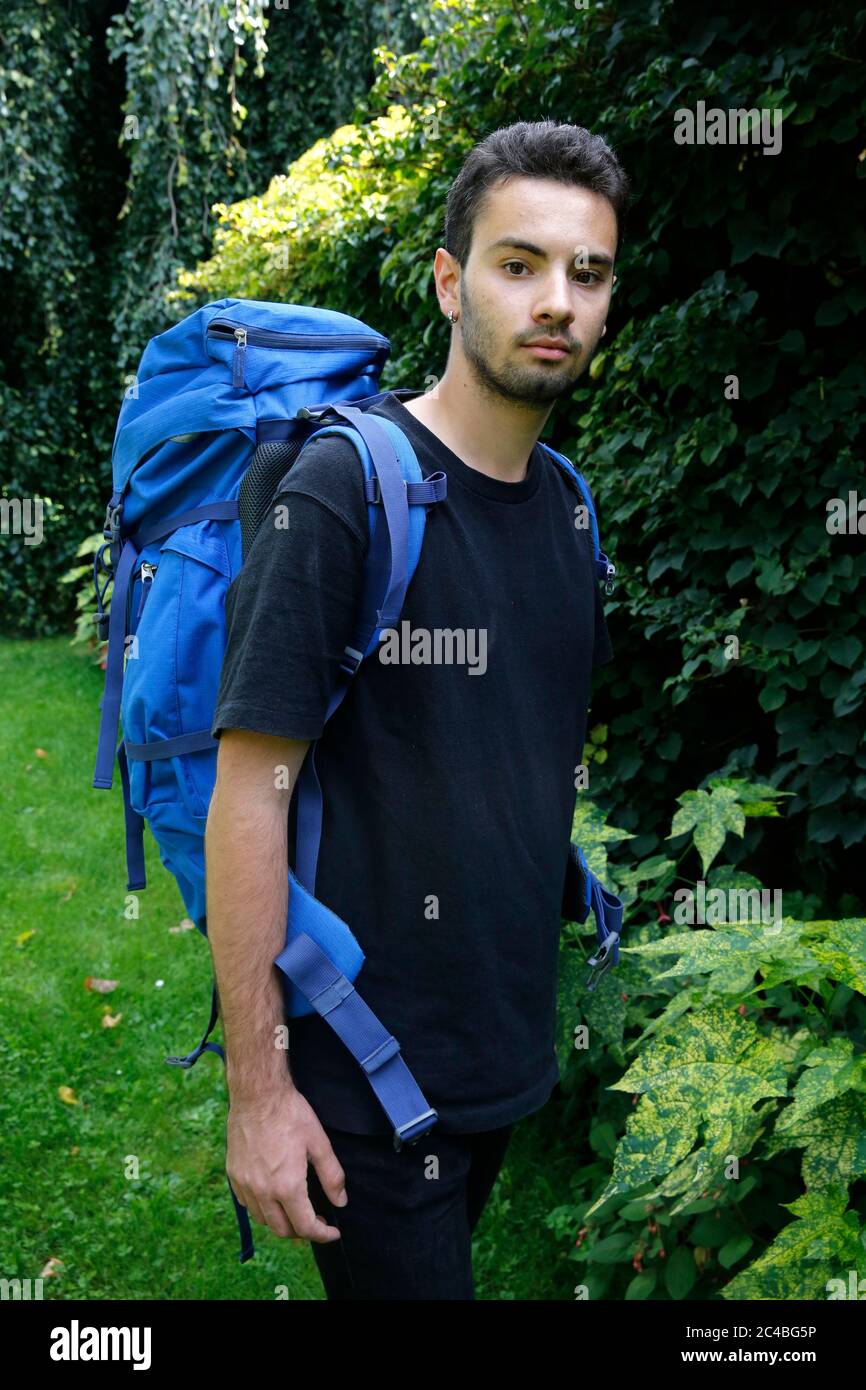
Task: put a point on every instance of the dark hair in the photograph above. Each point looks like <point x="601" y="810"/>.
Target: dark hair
<point x="534" y="149"/>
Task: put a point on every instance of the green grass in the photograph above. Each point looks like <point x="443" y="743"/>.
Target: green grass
<point x="64" y="1189"/>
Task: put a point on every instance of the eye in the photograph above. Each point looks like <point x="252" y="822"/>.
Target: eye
<point x="594" y="276"/>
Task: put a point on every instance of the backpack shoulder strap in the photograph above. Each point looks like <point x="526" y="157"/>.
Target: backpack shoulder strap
<point x="397" y="522"/>
<point x="605" y="570"/>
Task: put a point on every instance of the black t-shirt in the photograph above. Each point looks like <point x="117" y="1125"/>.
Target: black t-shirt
<point x="449" y="789"/>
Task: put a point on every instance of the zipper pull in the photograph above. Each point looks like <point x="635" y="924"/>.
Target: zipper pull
<point x="610" y="583"/>
<point x="239" y="357"/>
<point x="146" y="574"/>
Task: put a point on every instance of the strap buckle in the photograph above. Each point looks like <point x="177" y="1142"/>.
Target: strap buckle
<point x="377" y="491"/>
<point x="351" y="660"/>
<point x="603" y="958"/>
<point x="399" y="1130"/>
<point x="111" y="525"/>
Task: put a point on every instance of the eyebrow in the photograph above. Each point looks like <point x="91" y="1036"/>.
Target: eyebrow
<point x="594" y="257"/>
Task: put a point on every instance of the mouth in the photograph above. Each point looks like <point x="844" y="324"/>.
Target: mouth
<point x="552" y="351"/>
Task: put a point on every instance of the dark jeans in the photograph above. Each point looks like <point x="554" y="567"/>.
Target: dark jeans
<point x="406" y="1229"/>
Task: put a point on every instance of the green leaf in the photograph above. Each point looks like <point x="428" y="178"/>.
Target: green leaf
<point x="641" y="1286"/>
<point x="740" y="569"/>
<point x="844" y="650"/>
<point x="734" y="1250"/>
<point x="681" y="1272"/>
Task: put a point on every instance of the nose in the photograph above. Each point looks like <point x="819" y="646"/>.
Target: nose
<point x="554" y="308"/>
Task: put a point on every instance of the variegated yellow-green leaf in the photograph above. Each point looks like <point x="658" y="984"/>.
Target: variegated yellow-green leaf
<point x="840" y="947"/>
<point x="830" y="1071"/>
<point x="590" y="831"/>
<point x="657" y="1137"/>
<point x="677" y="1005"/>
<point x="710" y="1070"/>
<point x="822" y="1245"/>
<point x="749" y="791"/>
<point x="709" y="815"/>
<point x="833" y="1139"/>
<point x="711" y="1165"/>
<point x="733" y="954"/>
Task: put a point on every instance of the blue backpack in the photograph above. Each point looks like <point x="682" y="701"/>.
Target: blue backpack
<point x="220" y="409"/>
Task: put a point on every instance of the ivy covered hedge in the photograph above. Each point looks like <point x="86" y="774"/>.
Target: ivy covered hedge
<point x="123" y="125"/>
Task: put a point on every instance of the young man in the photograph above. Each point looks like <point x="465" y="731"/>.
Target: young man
<point x="448" y="788"/>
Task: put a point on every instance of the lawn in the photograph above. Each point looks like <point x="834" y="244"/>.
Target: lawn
<point x="84" y="1106"/>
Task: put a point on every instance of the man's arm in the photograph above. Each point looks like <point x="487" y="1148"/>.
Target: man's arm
<point x="272" y="1129"/>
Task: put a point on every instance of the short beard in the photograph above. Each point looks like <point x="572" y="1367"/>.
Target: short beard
<point x="527" y="386"/>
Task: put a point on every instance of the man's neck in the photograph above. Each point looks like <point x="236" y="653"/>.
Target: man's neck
<point x="487" y="434"/>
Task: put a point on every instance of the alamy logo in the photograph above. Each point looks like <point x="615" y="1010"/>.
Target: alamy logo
<point x="734" y="126"/>
<point x="17" y="1289"/>
<point x="717" y="906"/>
<point x="439" y="646"/>
<point x="76" y="1343"/>
<point x="846" y="519"/>
<point x="22" y="517"/>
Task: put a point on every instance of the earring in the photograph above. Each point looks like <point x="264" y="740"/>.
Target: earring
<point x="452" y="316"/>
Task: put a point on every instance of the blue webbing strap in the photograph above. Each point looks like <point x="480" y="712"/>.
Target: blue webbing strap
<point x="337" y="1001"/>
<point x="384" y="589"/>
<point x="432" y="489"/>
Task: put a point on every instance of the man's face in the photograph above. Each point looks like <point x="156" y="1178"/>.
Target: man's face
<point x="540" y="267"/>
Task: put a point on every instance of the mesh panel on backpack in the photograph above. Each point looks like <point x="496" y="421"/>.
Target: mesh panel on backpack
<point x="269" y="462"/>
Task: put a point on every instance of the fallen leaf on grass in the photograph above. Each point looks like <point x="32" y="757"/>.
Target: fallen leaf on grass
<point x="100" y="986"/>
<point x="75" y="1149"/>
<point x="24" y="936"/>
<point x="67" y="1095"/>
<point x="186" y="925"/>
<point x="66" y="896"/>
<point x="110" y="1020"/>
<point x="40" y="752"/>
<point x="52" y="1268"/>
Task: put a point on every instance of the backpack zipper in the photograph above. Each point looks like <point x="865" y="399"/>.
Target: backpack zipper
<point x="145" y="574"/>
<point x="243" y="335"/>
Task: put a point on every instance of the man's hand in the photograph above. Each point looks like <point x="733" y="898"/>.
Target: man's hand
<point x="269" y="1139"/>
